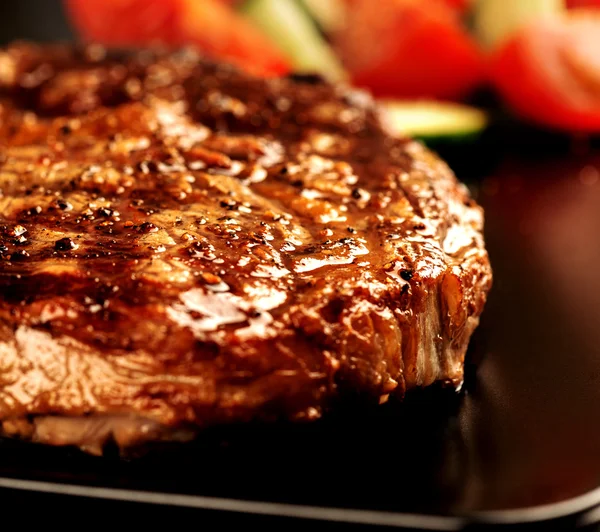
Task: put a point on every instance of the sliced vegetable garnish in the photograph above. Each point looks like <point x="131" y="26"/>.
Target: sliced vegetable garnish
<point x="288" y="25"/>
<point x="410" y="49"/>
<point x="461" y="5"/>
<point x="496" y="20"/>
<point x="210" y="24"/>
<point x="329" y="14"/>
<point x="549" y="71"/>
<point x="572" y="4"/>
<point x="430" y="120"/>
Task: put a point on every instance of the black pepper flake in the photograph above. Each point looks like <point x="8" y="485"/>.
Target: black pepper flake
<point x="298" y="183"/>
<point x="64" y="205"/>
<point x="407" y="275"/>
<point x="356" y="194"/>
<point x="105" y="212"/>
<point x="34" y="210"/>
<point x="259" y="238"/>
<point x="148" y="227"/>
<point x="65" y="244"/>
<point x="65" y="130"/>
<point x="419" y="226"/>
<point x="19" y="255"/>
<point x="230" y="205"/>
<point x="147" y="166"/>
<point x="351" y="230"/>
<point x="284" y="170"/>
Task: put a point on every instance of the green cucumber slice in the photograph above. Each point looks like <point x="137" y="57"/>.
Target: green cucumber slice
<point x="289" y="26"/>
<point x="495" y="20"/>
<point x="330" y="15"/>
<point x="433" y="121"/>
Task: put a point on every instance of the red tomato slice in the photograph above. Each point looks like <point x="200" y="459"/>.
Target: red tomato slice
<point x="410" y="49"/>
<point x="461" y="5"/>
<point x="549" y="71"/>
<point x="124" y="22"/>
<point x="571" y="4"/>
<point x="209" y="24"/>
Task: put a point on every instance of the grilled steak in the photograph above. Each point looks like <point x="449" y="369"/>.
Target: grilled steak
<point x="182" y="245"/>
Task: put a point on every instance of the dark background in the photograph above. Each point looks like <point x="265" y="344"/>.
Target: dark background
<point x="40" y="20"/>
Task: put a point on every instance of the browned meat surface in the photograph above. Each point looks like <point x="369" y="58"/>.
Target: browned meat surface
<point x="182" y="245"/>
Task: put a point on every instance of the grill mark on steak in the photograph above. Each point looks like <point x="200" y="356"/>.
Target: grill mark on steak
<point x="183" y="245"/>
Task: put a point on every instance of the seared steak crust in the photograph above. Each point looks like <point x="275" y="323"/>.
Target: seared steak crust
<point x="182" y="245"/>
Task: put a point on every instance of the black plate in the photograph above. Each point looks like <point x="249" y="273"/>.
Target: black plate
<point x="522" y="434"/>
<point x="521" y="444"/>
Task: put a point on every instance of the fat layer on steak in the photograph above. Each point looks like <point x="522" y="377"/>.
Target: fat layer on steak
<point x="182" y="245"/>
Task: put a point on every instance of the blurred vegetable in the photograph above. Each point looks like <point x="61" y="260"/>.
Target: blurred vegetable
<point x="290" y="26"/>
<point x="409" y="49"/>
<point x="461" y="5"/>
<point x="329" y="14"/>
<point x="549" y="71"/>
<point x="583" y="3"/>
<point x="544" y="61"/>
<point x="496" y="20"/>
<point x="210" y="24"/>
<point x="433" y="121"/>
